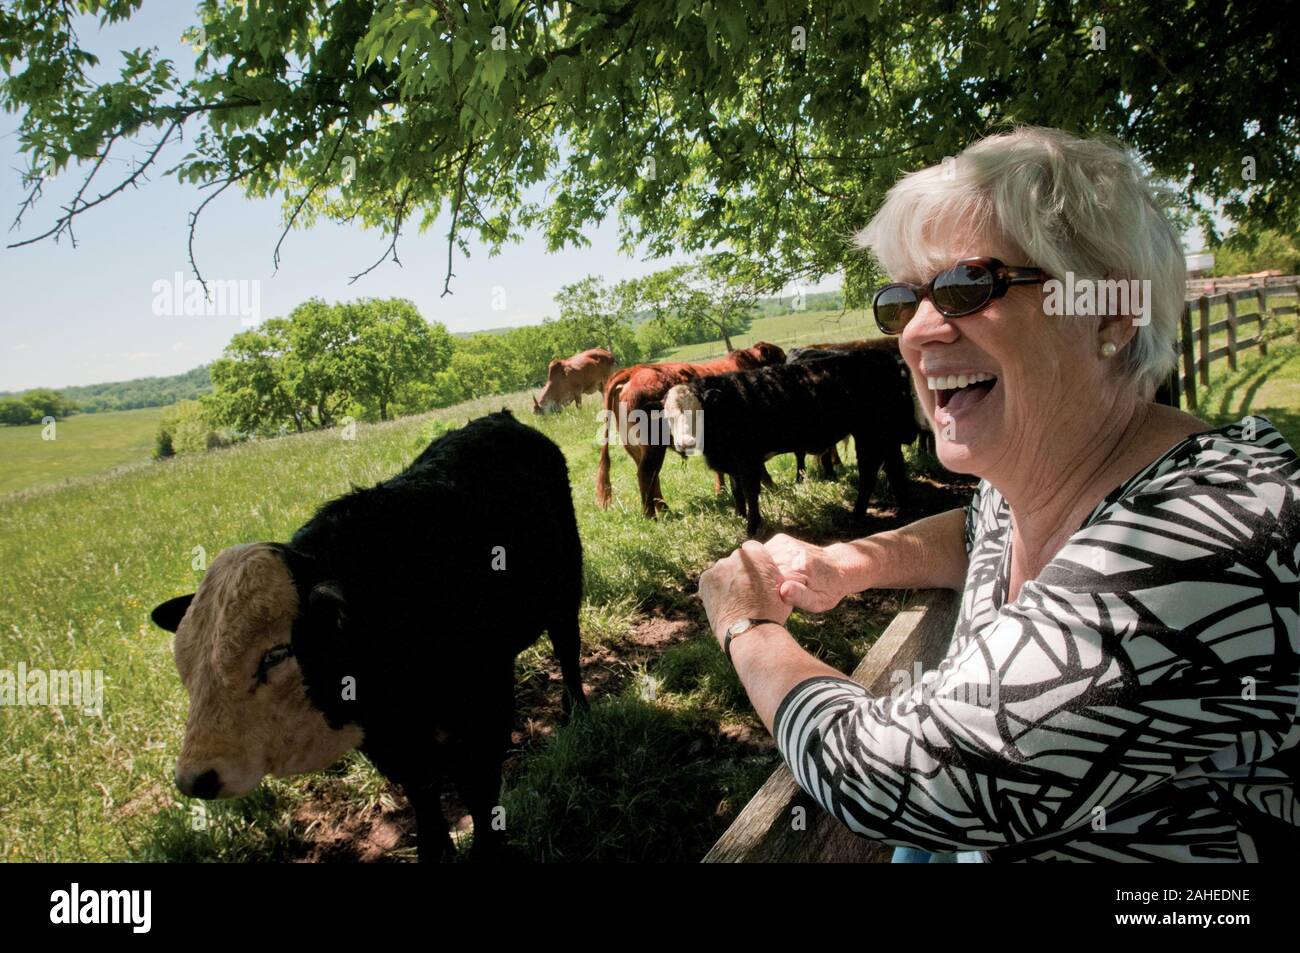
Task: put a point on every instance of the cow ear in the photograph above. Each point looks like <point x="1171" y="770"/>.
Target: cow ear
<point x="327" y="606"/>
<point x="168" y="615"/>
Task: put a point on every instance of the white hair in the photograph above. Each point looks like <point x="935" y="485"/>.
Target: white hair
<point x="1064" y="204"/>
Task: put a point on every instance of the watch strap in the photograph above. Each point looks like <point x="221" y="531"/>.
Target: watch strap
<point x="726" y="641"/>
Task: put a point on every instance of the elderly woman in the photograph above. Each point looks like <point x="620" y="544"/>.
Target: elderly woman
<point x="1122" y="683"/>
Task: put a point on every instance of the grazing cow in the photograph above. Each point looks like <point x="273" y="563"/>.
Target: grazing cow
<point x="829" y="458"/>
<point x="739" y="420"/>
<point x="390" y="622"/>
<point x="569" y="379"/>
<point x="642" y="388"/>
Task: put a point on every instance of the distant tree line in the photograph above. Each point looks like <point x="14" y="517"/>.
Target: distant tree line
<point x="142" y="392"/>
<point x="1245" y="252"/>
<point x="376" y="359"/>
<point x="33" y="406"/>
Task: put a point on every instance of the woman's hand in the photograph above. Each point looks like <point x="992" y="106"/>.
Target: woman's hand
<point x="813" y="578"/>
<point x="744" y="585"/>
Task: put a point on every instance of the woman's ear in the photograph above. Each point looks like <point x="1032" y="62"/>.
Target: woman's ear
<point x="168" y="615"/>
<point x="1118" y="329"/>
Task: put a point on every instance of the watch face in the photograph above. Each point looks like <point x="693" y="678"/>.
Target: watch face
<point x="740" y="626"/>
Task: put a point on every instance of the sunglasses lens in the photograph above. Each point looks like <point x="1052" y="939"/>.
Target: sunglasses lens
<point x="894" y="306"/>
<point x="963" y="289"/>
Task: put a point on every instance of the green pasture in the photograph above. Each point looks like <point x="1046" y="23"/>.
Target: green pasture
<point x="669" y="753"/>
<point x="83" y="444"/>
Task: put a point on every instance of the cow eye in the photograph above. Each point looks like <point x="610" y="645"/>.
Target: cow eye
<point x="273" y="657"/>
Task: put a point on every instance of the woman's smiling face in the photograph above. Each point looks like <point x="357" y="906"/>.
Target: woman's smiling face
<point x="1044" y="371"/>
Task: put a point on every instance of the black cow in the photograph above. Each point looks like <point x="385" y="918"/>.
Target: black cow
<point x="829" y="458"/>
<point x="738" y="420"/>
<point x="390" y="621"/>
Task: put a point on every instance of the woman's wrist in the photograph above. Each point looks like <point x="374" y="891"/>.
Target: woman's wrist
<point x="853" y="567"/>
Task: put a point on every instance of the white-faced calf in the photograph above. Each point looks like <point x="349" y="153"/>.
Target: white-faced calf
<point x="389" y="622"/>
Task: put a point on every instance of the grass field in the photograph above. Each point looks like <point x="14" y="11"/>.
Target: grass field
<point x="667" y="756"/>
<point x="83" y="444"/>
<point x="789" y="330"/>
<point x="670" y="752"/>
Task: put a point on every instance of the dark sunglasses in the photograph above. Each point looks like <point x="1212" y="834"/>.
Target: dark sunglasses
<point x="963" y="289"/>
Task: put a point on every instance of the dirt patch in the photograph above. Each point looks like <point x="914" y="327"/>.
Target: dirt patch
<point x="605" y="670"/>
<point x="337" y="833"/>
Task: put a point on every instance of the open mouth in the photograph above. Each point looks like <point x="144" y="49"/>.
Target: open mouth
<point x="956" y="392"/>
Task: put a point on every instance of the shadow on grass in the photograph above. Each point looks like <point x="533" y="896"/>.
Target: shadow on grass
<point x="1237" y="396"/>
<point x="631" y="781"/>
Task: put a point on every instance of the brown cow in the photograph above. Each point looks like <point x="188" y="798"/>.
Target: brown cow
<point x="569" y="379"/>
<point x="642" y="387"/>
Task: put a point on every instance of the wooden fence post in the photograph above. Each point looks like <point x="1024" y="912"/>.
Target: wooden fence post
<point x="1262" y="297"/>
<point x="1232" y="330"/>
<point x="1189" y="358"/>
<point x="1204" y="308"/>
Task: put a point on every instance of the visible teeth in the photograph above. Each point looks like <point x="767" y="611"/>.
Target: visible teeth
<point x="957" y="381"/>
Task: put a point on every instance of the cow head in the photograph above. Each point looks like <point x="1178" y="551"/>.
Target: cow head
<point x="547" y="403"/>
<point x="765" y="353"/>
<point x="685" y="418"/>
<point x="249" y="711"/>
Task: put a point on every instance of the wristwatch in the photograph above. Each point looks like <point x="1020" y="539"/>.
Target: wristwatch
<point x="739" y="628"/>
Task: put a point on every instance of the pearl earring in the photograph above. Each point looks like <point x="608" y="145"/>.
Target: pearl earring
<point x="1108" y="349"/>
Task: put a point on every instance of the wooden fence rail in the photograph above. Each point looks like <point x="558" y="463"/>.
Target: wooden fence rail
<point x="783" y="824"/>
<point x="1196" y="331"/>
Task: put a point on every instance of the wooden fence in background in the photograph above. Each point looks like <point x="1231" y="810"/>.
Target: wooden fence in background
<point x="1196" y="347"/>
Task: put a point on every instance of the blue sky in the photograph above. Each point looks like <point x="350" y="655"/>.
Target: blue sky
<point x="85" y="315"/>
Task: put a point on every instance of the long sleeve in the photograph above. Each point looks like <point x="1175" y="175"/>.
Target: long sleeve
<point x="1160" y="646"/>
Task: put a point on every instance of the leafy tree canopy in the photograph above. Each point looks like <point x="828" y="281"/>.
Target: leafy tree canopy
<point x="768" y="127"/>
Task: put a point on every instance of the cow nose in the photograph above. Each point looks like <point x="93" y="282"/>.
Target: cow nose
<point x="688" y="441"/>
<point x="206" y="785"/>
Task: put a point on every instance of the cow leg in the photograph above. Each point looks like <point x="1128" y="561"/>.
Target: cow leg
<point x="479" y="756"/>
<point x="896" y="473"/>
<point x="660" y="503"/>
<point x="765" y="476"/>
<point x="647" y="476"/>
<point x="752" y="483"/>
<point x="432" y="839"/>
<point x="737" y="495"/>
<point x="868" y="464"/>
<point x="577" y="400"/>
<point x="826" y="460"/>
<point x="566" y="641"/>
<point x="479" y="785"/>
<point x="798" y="467"/>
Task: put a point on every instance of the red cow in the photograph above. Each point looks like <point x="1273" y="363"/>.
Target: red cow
<point x="569" y="379"/>
<point x="642" y="387"/>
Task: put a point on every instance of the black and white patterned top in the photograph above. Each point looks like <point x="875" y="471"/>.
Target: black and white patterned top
<point x="1137" y="701"/>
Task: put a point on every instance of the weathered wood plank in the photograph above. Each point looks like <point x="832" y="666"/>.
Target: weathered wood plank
<point x="1232" y="332"/>
<point x="765" y="830"/>
<point x="1204" y="309"/>
<point x="1263" y="319"/>
<point x="1189" y="359"/>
